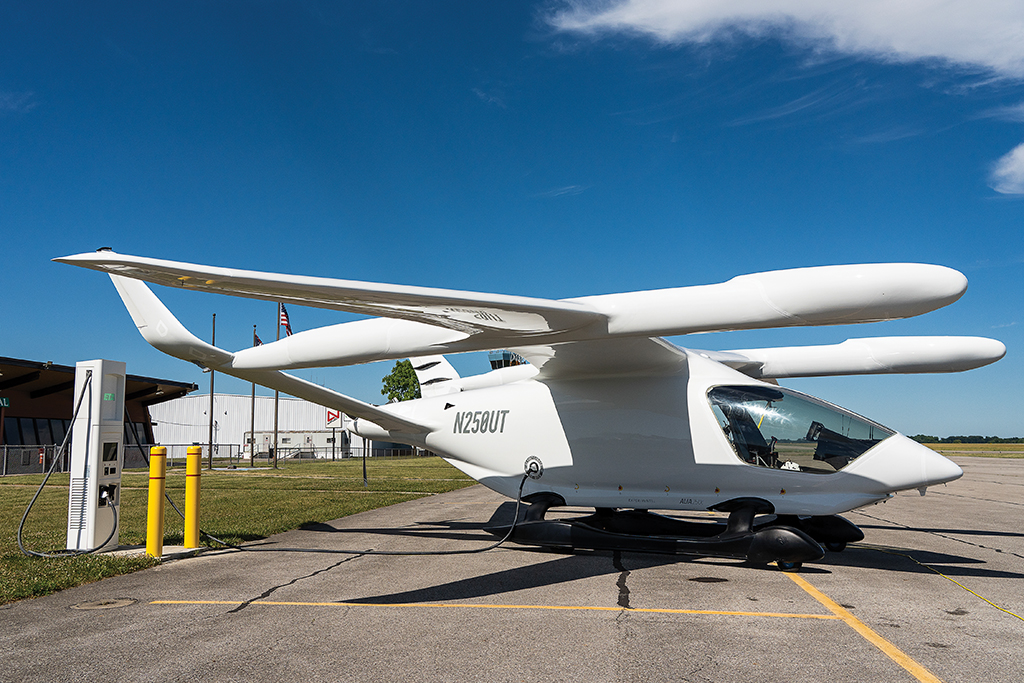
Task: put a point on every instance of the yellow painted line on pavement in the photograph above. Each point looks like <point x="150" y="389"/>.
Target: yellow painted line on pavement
<point x="890" y="650"/>
<point x="896" y="551"/>
<point x="777" y="615"/>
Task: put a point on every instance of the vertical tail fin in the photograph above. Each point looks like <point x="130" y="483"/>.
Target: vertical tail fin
<point x="161" y="329"/>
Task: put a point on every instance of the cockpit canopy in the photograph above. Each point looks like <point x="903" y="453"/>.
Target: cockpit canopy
<point x="783" y="429"/>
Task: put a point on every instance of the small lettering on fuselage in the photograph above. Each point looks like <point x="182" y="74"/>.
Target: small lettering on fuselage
<point x="690" y="501"/>
<point x="480" y="422"/>
<point x="477" y="313"/>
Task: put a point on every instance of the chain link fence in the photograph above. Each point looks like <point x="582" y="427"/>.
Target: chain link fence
<point x="31" y="460"/>
<point x="38" y="459"/>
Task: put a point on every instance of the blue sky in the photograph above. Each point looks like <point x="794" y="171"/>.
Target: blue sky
<point x="542" y="149"/>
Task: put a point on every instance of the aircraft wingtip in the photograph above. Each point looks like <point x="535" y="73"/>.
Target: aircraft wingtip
<point x="954" y="282"/>
<point x="85" y="257"/>
<point x="995" y="349"/>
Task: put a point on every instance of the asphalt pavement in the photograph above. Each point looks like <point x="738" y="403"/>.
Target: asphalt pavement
<point x="934" y="592"/>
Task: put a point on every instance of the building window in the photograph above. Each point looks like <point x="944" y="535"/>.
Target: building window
<point x="59" y="429"/>
<point x="43" y="429"/>
<point x="12" y="435"/>
<point x="28" y="431"/>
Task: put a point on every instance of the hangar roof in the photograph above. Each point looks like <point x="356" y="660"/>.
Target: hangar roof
<point x="38" y="380"/>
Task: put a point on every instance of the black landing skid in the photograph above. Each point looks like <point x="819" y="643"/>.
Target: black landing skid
<point x="788" y="540"/>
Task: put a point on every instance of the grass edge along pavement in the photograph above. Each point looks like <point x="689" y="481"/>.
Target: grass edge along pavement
<point x="237" y="506"/>
<point x="980" y="450"/>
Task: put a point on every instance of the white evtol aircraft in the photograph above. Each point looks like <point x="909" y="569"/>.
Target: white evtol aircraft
<point x="605" y="413"/>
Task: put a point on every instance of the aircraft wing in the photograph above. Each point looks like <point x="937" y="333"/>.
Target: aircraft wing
<point x="470" y="313"/>
<point x="873" y="356"/>
<point x="604" y="335"/>
<point x="799" y="297"/>
<point x="825" y="295"/>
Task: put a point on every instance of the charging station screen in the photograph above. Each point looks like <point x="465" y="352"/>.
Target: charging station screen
<point x="110" y="452"/>
<point x="111" y="406"/>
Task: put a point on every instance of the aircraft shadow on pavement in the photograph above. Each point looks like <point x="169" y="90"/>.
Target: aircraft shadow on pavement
<point x="583" y="563"/>
<point x="564" y="569"/>
<point x="444" y="529"/>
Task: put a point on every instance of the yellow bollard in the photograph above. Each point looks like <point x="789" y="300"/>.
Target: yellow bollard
<point x="193" y="471"/>
<point x="155" y="514"/>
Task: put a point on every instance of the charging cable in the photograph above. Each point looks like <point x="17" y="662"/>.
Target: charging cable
<point x="508" y="534"/>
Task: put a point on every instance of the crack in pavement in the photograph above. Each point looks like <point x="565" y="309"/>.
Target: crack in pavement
<point x="621" y="582"/>
<point x="266" y="594"/>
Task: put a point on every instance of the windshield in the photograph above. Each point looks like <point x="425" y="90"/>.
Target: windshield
<point x="782" y="429"/>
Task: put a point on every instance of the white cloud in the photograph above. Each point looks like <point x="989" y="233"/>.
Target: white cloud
<point x="1008" y="173"/>
<point x="20" y="102"/>
<point x="489" y="98"/>
<point x="1013" y="113"/>
<point x="563" y="191"/>
<point x="984" y="35"/>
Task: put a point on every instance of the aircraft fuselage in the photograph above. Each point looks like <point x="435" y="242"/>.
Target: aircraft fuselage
<point x="655" y="443"/>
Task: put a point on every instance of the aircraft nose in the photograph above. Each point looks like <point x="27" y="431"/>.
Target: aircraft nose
<point x="900" y="464"/>
<point x="939" y="469"/>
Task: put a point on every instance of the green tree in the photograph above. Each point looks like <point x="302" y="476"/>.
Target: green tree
<point x="401" y="383"/>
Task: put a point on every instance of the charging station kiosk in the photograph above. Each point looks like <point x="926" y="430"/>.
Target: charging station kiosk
<point x="97" y="454"/>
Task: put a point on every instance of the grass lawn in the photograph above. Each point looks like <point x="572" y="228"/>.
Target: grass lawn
<point x="236" y="506"/>
<point x="985" y="450"/>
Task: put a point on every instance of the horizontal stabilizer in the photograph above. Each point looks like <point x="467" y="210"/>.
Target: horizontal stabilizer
<point x="873" y="356"/>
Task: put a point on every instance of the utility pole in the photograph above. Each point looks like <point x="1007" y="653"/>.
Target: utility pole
<point x="209" y="451"/>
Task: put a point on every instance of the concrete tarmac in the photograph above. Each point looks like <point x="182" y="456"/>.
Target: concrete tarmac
<point x="935" y="592"/>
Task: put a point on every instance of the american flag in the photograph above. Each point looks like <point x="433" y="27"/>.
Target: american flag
<point x="284" y="321"/>
<point x="256" y="341"/>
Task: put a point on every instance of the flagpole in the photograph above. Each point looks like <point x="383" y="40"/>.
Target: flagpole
<point x="252" y="417"/>
<point x="277" y="394"/>
<point x="209" y="451"/>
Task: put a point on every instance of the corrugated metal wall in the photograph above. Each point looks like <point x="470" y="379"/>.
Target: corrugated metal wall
<point x="186" y="420"/>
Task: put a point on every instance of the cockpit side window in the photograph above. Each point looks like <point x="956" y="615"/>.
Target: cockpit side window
<point x="783" y="429"/>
